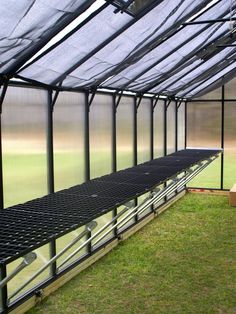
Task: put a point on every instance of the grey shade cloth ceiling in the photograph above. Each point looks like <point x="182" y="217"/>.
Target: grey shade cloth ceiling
<point x="154" y="51"/>
<point x="27" y="25"/>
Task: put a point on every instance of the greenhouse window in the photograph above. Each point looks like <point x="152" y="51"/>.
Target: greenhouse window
<point x="132" y="6"/>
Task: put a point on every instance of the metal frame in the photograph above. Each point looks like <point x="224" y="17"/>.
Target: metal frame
<point x="172" y="51"/>
<point x="178" y="182"/>
<point x="180" y="66"/>
<point x="90" y="96"/>
<point x="36" y="48"/>
<point x="221" y="100"/>
<point x="2" y="96"/>
<point x="151" y="45"/>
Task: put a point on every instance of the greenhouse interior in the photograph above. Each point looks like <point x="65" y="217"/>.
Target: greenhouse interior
<point x="111" y="111"/>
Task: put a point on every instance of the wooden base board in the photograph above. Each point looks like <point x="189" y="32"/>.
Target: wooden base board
<point x="31" y="302"/>
<point x="209" y="192"/>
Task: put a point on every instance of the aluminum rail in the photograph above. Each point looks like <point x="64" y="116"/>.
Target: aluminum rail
<point x="176" y="184"/>
<point x="156" y="196"/>
<point x="146" y="203"/>
<point x="28" y="259"/>
<point x="89" y="227"/>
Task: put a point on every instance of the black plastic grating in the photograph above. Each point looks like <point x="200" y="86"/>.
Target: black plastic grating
<point x="30" y="225"/>
<point x="126" y="191"/>
<point x="88" y="188"/>
<point x="118" y="177"/>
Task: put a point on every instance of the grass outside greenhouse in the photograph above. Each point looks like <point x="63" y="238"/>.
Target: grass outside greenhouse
<point x="182" y="262"/>
<point x="25" y="175"/>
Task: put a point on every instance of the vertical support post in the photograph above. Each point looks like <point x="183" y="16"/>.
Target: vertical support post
<point x="50" y="157"/>
<point x="135" y="143"/>
<point x="87" y="153"/>
<point x="135" y="132"/>
<point x="114" y="151"/>
<point x="176" y="126"/>
<point x="1" y="167"/>
<point x="3" y="291"/>
<point x="50" y="167"/>
<point x="152" y="130"/>
<point x="165" y="135"/>
<point x="2" y="96"/>
<point x="222" y="136"/>
<point x="185" y="124"/>
<point x="86" y="140"/>
<point x="165" y="128"/>
<point x="114" y="155"/>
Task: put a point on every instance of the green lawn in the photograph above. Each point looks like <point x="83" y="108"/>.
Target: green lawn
<point x="182" y="262"/>
<point x="25" y="176"/>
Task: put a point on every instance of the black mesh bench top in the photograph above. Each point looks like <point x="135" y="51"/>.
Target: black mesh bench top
<point x="27" y="226"/>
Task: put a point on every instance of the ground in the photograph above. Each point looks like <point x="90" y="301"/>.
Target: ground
<point x="181" y="262"/>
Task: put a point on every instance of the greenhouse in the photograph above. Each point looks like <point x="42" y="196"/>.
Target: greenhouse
<point x="111" y="111"/>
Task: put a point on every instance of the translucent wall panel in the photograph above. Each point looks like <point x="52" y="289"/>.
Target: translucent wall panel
<point x="181" y="127"/>
<point x="62" y="242"/>
<point x="105" y="235"/>
<point x="124" y="223"/>
<point x="144" y="130"/>
<point x="204" y="124"/>
<point x="215" y="94"/>
<point x="159" y="129"/>
<point x="24" y="125"/>
<point x="43" y="256"/>
<point x="230" y="145"/>
<point x="171" y="128"/>
<point x="68" y="120"/>
<point x="101" y="135"/>
<point x="204" y="130"/>
<point x="230" y="89"/>
<point x="125" y="133"/>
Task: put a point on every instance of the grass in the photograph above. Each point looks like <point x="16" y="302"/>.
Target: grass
<point x="183" y="262"/>
<point x="25" y="175"/>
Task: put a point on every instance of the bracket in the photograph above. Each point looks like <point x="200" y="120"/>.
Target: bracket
<point x="54" y="99"/>
<point x="3" y="93"/>
<point x="179" y="103"/>
<point x="118" y="98"/>
<point x="168" y="103"/>
<point x="28" y="259"/>
<point x="123" y="7"/>
<point x="139" y="98"/>
<point x="155" y="101"/>
<point x="89" y="227"/>
<point x="92" y="97"/>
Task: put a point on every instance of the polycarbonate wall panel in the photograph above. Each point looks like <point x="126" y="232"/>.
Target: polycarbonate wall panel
<point x="100" y="124"/>
<point x="144" y="130"/>
<point x="158" y="118"/>
<point x="204" y="124"/>
<point x="230" y="145"/>
<point x="230" y="89"/>
<point x="170" y="118"/>
<point x="69" y="158"/>
<point x="215" y="94"/>
<point x="43" y="256"/>
<point x="24" y="125"/>
<point x="181" y="127"/>
<point x="125" y="133"/>
<point x="204" y="130"/>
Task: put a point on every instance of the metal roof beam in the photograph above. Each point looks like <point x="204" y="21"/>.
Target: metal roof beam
<point x="201" y="83"/>
<point x="103" y="44"/>
<point x="151" y="45"/>
<point x="172" y="51"/>
<point x="180" y="66"/>
<point x="37" y="47"/>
